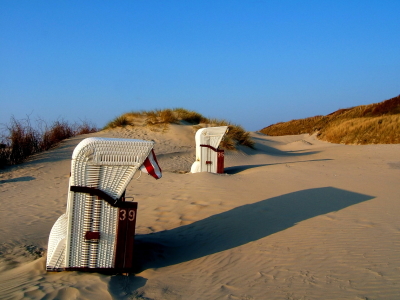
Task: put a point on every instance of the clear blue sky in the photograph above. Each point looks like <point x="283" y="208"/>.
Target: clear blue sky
<point x="253" y="63"/>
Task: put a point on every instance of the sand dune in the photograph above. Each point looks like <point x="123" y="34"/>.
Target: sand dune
<point x="294" y="218"/>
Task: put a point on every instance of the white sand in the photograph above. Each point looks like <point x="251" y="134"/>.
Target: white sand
<point x="296" y="218"/>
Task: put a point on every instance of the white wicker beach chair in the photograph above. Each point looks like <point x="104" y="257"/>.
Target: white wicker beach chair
<point x="208" y="157"/>
<point x="97" y="231"/>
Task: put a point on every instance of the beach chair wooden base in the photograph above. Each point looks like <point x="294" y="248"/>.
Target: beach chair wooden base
<point x="124" y="243"/>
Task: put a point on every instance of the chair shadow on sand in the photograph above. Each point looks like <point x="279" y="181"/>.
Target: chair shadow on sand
<point x="259" y="146"/>
<point x="18" y="179"/>
<point x="238" y="226"/>
<point x="238" y="169"/>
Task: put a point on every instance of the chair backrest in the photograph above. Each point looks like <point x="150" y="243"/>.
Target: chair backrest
<point x="101" y="169"/>
<point x="207" y="143"/>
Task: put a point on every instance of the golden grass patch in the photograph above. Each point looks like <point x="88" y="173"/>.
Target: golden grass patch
<point x="377" y="123"/>
<point x="369" y="130"/>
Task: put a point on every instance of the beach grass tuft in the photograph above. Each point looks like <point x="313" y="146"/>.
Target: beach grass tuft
<point x="159" y="119"/>
<point x="119" y="121"/>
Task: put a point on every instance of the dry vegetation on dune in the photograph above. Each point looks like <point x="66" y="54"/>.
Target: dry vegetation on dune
<point x="292" y="127"/>
<point x="160" y="119"/>
<point x="377" y="123"/>
<point x="156" y="118"/>
<point x="21" y="140"/>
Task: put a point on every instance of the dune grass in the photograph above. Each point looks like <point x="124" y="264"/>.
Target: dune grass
<point x="118" y="122"/>
<point x="156" y="117"/>
<point x="21" y="140"/>
<point x="377" y="123"/>
<point x="292" y="127"/>
<point x="361" y="131"/>
<point x="159" y="119"/>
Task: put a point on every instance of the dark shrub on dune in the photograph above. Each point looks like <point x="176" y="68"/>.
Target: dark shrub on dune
<point x="21" y="140"/>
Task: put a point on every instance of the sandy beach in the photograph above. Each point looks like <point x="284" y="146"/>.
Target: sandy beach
<point x="294" y="218"/>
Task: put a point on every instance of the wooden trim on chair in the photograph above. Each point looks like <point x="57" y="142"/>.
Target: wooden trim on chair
<point x="96" y="192"/>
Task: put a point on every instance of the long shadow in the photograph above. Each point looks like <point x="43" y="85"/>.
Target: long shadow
<point x="237" y="169"/>
<point x="238" y="226"/>
<point x="260" y="146"/>
<point x="18" y="179"/>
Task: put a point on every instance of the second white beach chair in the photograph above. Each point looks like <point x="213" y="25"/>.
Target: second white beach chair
<point x="97" y="231"/>
<point x="208" y="157"/>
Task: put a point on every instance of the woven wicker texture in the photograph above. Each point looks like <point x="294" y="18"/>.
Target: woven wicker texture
<point x="107" y="165"/>
<point x="56" y="247"/>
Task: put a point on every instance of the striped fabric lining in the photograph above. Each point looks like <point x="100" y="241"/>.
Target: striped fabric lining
<point x="151" y="166"/>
